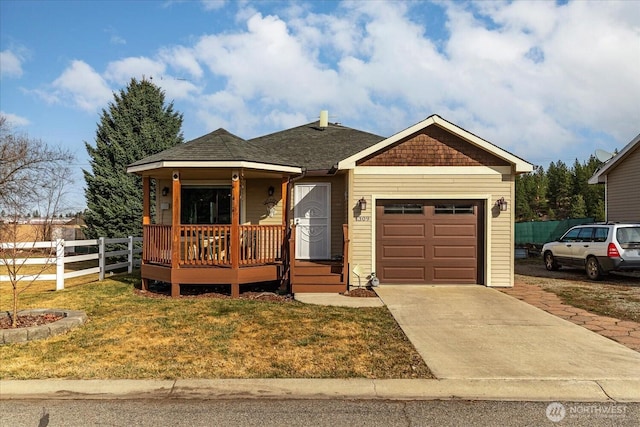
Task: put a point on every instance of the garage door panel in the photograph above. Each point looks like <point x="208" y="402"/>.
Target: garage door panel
<point x="454" y="230"/>
<point x="403" y="252"/>
<point x="454" y="275"/>
<point x="448" y="252"/>
<point x="403" y="230"/>
<point x="404" y="274"/>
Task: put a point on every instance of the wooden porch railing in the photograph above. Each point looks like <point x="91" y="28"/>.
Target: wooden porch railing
<point x="210" y="244"/>
<point x="156" y="244"/>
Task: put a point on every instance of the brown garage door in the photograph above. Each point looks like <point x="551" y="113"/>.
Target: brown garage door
<point x="420" y="241"/>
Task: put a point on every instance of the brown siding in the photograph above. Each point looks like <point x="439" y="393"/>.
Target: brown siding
<point x="433" y="146"/>
<point x="623" y="202"/>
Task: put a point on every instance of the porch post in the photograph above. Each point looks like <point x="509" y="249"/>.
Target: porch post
<point x="175" y="230"/>
<point x="146" y="219"/>
<point x="235" y="231"/>
<point x="146" y="200"/>
<point x="285" y="201"/>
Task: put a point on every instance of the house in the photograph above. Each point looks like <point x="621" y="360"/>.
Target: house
<point x="322" y="205"/>
<point x="620" y="176"/>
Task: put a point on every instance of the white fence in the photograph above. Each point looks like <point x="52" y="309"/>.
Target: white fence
<point x="60" y="259"/>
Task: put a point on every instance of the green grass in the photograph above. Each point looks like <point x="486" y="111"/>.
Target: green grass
<point x="133" y="336"/>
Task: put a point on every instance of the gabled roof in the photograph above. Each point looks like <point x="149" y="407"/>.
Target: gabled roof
<point x="219" y="148"/>
<point x="519" y="164"/>
<point x="599" y="176"/>
<point x="316" y="148"/>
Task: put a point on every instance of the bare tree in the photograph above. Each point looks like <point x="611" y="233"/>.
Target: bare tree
<point x="33" y="175"/>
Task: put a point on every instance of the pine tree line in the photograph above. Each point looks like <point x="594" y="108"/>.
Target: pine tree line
<point x="560" y="192"/>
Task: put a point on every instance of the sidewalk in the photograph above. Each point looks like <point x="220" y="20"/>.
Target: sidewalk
<point x="363" y="389"/>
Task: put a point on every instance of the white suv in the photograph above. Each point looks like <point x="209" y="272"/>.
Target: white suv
<point x="598" y="248"/>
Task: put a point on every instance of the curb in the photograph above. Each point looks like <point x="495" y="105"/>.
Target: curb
<point x="358" y="389"/>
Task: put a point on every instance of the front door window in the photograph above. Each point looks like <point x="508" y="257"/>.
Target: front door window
<point x="206" y="205"/>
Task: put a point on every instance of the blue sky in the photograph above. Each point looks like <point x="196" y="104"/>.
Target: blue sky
<point x="545" y="80"/>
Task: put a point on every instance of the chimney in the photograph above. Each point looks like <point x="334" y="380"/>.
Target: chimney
<point x="324" y="118"/>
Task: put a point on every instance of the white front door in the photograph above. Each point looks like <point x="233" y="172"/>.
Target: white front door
<point x="312" y="215"/>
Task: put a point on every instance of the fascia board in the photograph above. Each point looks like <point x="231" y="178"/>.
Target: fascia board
<point x="598" y="176"/>
<point x="213" y="165"/>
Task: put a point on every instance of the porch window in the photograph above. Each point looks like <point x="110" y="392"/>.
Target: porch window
<point x="205" y="205"/>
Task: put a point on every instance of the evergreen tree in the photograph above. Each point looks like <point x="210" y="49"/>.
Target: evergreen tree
<point x="578" y="207"/>
<point x="560" y="190"/>
<point x="135" y="125"/>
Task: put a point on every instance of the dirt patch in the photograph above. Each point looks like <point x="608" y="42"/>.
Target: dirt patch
<point x="616" y="295"/>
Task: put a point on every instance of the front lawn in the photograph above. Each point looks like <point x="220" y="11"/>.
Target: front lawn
<point x="135" y="336"/>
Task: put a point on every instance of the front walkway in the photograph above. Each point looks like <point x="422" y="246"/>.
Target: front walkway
<point x="622" y="331"/>
<point x="474" y="332"/>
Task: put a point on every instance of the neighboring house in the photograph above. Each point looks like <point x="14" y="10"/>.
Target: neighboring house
<point x="620" y="176"/>
<point x="432" y="204"/>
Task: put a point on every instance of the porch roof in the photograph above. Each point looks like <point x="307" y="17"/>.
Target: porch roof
<point x="219" y="148"/>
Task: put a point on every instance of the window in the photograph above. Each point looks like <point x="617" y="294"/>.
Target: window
<point x="585" y="234"/>
<point x="205" y="205"/>
<point x="403" y="208"/>
<point x="454" y="209"/>
<point x="572" y="235"/>
<point x="600" y="234"/>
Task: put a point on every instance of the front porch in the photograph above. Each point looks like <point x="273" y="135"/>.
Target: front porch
<point x="208" y="255"/>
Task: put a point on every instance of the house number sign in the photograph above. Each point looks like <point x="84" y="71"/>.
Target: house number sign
<point x="363" y="218"/>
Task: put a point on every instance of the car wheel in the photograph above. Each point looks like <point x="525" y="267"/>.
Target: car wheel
<point x="550" y="261"/>
<point x="594" y="272"/>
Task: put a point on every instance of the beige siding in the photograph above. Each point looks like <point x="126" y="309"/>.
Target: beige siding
<point x="488" y="186"/>
<point x="623" y="202"/>
<point x="255" y="196"/>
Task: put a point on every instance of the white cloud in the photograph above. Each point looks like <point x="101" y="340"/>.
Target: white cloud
<point x="15" y="120"/>
<point x="10" y="64"/>
<point x="116" y="39"/>
<point x="182" y="59"/>
<point x="121" y="72"/>
<point x="83" y="86"/>
<point x="213" y="4"/>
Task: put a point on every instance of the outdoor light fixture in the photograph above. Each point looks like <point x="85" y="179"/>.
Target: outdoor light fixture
<point x="501" y="204"/>
<point x="271" y="190"/>
<point x="165" y="191"/>
<point x="362" y="203"/>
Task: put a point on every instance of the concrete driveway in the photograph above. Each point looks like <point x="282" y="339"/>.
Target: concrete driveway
<point x="474" y="332"/>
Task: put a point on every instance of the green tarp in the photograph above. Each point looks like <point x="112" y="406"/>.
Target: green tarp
<point x="541" y="232"/>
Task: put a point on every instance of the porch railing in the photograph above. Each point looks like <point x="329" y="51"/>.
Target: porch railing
<point x="211" y="244"/>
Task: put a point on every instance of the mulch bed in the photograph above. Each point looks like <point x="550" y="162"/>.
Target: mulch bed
<point x="361" y="293"/>
<point x="25" y="321"/>
<point x="261" y="296"/>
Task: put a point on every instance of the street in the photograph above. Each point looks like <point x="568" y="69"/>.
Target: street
<point x="263" y="413"/>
